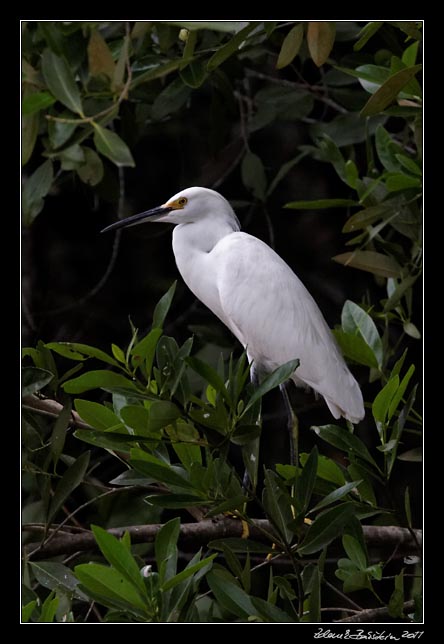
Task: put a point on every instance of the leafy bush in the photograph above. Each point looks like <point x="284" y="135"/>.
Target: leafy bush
<point x="159" y="491"/>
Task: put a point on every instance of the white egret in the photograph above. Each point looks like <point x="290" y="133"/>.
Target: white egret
<point x="256" y="295"/>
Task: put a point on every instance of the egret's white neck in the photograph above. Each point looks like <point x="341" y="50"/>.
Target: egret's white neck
<point x="202" y="235"/>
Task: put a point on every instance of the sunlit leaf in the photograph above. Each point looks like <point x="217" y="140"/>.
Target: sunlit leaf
<point x="290" y="47"/>
<point x="320" y="40"/>
<point x="370" y="261"/>
<point x="389" y="90"/>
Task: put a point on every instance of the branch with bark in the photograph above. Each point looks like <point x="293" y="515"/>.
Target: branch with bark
<point x="199" y="534"/>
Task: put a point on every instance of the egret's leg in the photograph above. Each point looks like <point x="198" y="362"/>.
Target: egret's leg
<point x="292" y="426"/>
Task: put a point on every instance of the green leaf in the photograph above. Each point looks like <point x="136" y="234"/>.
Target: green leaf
<point x="112" y="440"/>
<point x="232" y="46"/>
<point x="366" y="217"/>
<point x="320" y="204"/>
<point x="327" y="527"/>
<point x="27" y="610"/>
<point x="320" y="40"/>
<point x="244" y="434"/>
<point x="351" y="174"/>
<point x="187" y="572"/>
<point x="165" y="547"/>
<point x="210" y="375"/>
<point x="97" y="415"/>
<point x="305" y="482"/>
<point x="370" y="261"/>
<point x="253" y="175"/>
<point x="159" y="471"/>
<point x="30" y="129"/>
<point x="91" y="171"/>
<point x="194" y="75"/>
<point x="36" y="102"/>
<point x="314" y="611"/>
<point x="355" y="321"/>
<point x="277" y="505"/>
<point x="409" y="164"/>
<point x="49" y="608"/>
<point x="149" y="421"/>
<point x="388" y="92"/>
<point x="366" y="33"/>
<point x="400" y="392"/>
<point x="336" y="495"/>
<point x="355" y="551"/>
<point x="410" y="54"/>
<point x="290" y="47"/>
<point x="112" y="147"/>
<point x="97" y="379"/>
<point x="396" y="601"/>
<point x="71" y="479"/>
<point x="61" y="82"/>
<point x="59" y="431"/>
<point x="381" y="403"/>
<point x="75" y="351"/>
<point x="342" y="439"/>
<point x="327" y="469"/>
<point x="111" y="585"/>
<point x="120" y="557"/>
<point x="35" y="190"/>
<point x="399" y="181"/>
<point x="162" y="307"/>
<point x="270" y="613"/>
<point x="387" y="150"/>
<point x="34" y="379"/>
<point x="279" y="375"/>
<point x="355" y="348"/>
<point x="412" y="330"/>
<point x="56" y="576"/>
<point x="229" y="595"/>
<point x="225" y="26"/>
<point x="144" y="351"/>
<point x="170" y="99"/>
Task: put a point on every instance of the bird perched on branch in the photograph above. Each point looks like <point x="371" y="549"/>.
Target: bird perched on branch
<point x="256" y="295"/>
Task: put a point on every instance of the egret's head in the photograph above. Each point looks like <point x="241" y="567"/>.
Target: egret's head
<point x="186" y="207"/>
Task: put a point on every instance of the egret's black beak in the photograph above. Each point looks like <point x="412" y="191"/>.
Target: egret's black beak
<point x="134" y="220"/>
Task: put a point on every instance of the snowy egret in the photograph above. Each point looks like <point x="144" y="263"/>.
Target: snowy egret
<point x="256" y="295"/>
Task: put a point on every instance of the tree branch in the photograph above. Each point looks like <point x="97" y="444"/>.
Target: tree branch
<point x="200" y="534"/>
<point x="52" y="409"/>
<point x="373" y="614"/>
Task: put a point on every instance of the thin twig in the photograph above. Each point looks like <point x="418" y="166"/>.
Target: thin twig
<point x="341" y="594"/>
<point x="51" y="409"/>
<point x="316" y="90"/>
<point x="374" y="614"/>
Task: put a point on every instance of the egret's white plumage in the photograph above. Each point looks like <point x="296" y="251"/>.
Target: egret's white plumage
<point x="256" y="295"/>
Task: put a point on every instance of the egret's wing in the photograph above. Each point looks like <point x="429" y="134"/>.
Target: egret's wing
<point x="271" y="312"/>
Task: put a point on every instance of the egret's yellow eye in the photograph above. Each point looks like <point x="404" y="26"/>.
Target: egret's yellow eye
<point x="182" y="201"/>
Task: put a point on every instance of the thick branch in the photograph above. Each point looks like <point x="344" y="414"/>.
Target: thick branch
<point x="374" y="614"/>
<point x="201" y="533"/>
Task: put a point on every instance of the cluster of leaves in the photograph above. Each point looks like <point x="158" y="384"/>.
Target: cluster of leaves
<point x="175" y="446"/>
<point x="168" y="419"/>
